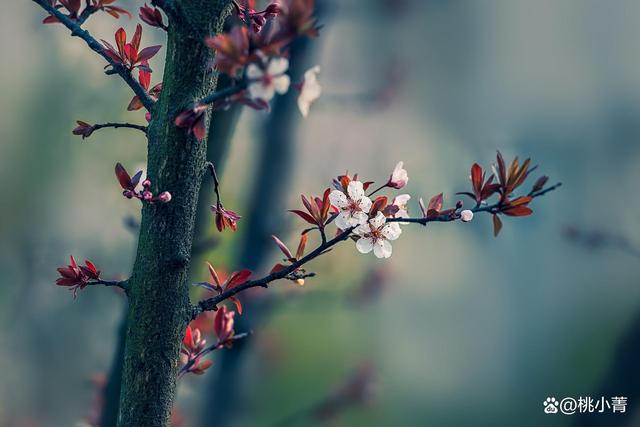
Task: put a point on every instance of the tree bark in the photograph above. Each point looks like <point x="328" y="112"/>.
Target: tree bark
<point x="159" y="306"/>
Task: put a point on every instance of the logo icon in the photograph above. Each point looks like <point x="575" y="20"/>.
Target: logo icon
<point x="550" y="405"/>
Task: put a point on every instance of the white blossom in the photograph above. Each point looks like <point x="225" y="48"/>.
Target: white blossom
<point x="354" y="206"/>
<point x="399" y="177"/>
<point x="310" y="90"/>
<point x="466" y="215"/>
<point x="376" y="234"/>
<point x="401" y="201"/>
<point x="265" y="83"/>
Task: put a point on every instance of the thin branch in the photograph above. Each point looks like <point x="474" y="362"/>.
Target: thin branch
<point x="207" y="350"/>
<point x="122" y="284"/>
<point x="78" y="31"/>
<point x="115" y="125"/>
<point x="223" y="93"/>
<point x="216" y="184"/>
<point x="211" y="303"/>
<point x="86" y="13"/>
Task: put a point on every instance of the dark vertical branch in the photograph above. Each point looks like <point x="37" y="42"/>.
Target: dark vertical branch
<point x="111" y="408"/>
<point x="268" y="198"/>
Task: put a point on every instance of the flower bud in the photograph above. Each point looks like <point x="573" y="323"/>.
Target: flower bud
<point x="146" y="183"/>
<point x="399" y="177"/>
<point x="272" y="10"/>
<point x="164" y="197"/>
<point x="466" y="215"/>
<point x="459" y="204"/>
<point x="128" y="194"/>
<point x="147" y="196"/>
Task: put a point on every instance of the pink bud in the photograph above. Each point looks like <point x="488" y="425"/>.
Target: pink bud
<point x="399" y="177"/>
<point x="146" y="183"/>
<point x="164" y="197"/>
<point x="147" y="196"/>
<point x="466" y="215"/>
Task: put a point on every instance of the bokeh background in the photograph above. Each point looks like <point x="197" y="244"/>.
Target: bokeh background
<point x="457" y="327"/>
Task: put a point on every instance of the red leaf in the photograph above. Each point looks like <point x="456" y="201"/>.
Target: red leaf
<point x="302" y="245"/>
<point x="497" y="225"/>
<point x="378" y="204"/>
<point x="121" y="40"/>
<point x="283" y="248"/>
<point x="123" y="177"/>
<point x="137" y="36"/>
<point x="518" y="211"/>
<point x="238" y="278"/>
<point x="213" y="274"/>
<point x="435" y="204"/>
<point x="237" y="303"/>
<point x="304" y="216"/>
<point x="278" y="267"/>
<point x="148" y="53"/>
<point x="188" y="338"/>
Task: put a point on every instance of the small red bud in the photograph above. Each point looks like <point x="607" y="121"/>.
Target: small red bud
<point x="147" y="195"/>
<point x="146" y="183"/>
<point x="164" y="197"/>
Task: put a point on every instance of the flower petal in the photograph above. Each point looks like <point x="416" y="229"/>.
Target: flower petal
<point x="281" y="83"/>
<point x="391" y="231"/>
<point x="358" y="218"/>
<point x="338" y="199"/>
<point x="364" y="245"/>
<point x="355" y="190"/>
<point x="254" y="72"/>
<point x="365" y="204"/>
<point x="382" y="248"/>
<point x="342" y="220"/>
<point x="378" y="221"/>
<point x="277" y="66"/>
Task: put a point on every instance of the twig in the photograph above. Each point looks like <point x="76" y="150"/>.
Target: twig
<point x="211" y="303"/>
<point x="114" y="125"/>
<point x="207" y="350"/>
<point x="223" y="93"/>
<point x="216" y="184"/>
<point x="122" y="284"/>
<point x="78" y="31"/>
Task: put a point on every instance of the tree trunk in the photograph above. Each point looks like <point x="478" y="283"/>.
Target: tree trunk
<point x="159" y="306"/>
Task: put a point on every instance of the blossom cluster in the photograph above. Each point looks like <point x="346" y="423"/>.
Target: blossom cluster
<point x="75" y="12"/>
<point x="77" y="277"/>
<point x="194" y="345"/>
<point x="143" y="192"/>
<point x="366" y="218"/>
<point x="257" y="58"/>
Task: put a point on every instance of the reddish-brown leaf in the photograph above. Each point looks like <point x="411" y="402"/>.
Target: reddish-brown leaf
<point x="497" y="225"/>
<point x="308" y="218"/>
<point x="283" y="248"/>
<point x="238" y="278"/>
<point x="123" y="177"/>
<point x="237" y="303"/>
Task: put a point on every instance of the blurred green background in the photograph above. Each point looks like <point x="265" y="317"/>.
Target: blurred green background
<point x="468" y="330"/>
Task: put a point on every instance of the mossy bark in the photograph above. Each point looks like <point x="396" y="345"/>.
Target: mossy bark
<point x="159" y="306"/>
